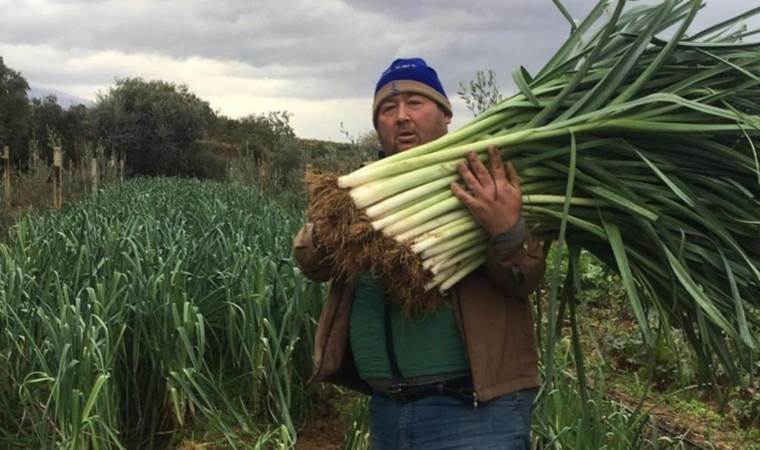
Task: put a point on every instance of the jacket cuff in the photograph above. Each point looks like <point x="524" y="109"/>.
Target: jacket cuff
<point x="506" y="243"/>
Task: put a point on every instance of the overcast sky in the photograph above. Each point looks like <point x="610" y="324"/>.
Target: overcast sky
<point x="317" y="59"/>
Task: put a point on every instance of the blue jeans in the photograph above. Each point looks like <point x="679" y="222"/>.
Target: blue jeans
<point x="443" y="422"/>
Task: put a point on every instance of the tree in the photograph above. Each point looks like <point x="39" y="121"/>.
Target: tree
<point x="154" y="123"/>
<point x="45" y="124"/>
<point x="481" y="93"/>
<point x="14" y="107"/>
<point x="265" y="135"/>
<point x="76" y="130"/>
<point x="51" y="125"/>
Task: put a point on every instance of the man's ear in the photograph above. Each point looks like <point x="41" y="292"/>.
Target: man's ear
<point x="447" y="119"/>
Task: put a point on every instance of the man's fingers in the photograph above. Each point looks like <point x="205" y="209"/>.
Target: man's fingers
<point x="461" y="194"/>
<point x="480" y="171"/>
<point x="512" y="175"/>
<point x="470" y="180"/>
<point x="497" y="168"/>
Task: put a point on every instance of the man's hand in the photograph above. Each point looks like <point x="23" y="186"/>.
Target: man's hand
<point x="494" y="198"/>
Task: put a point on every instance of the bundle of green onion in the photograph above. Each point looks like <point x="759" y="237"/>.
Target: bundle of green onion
<point x="637" y="149"/>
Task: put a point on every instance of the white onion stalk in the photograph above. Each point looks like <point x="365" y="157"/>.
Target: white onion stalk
<point x="432" y="224"/>
<point x="459" y="256"/>
<point x="449" y="232"/>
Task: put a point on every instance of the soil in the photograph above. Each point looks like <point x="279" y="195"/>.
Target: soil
<point x="696" y="431"/>
<point x="324" y="434"/>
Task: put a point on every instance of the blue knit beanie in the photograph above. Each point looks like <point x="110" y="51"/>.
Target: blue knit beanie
<point x="409" y="75"/>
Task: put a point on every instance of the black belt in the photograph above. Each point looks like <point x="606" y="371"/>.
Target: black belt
<point x="459" y="388"/>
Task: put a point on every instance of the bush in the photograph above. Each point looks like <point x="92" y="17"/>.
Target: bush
<point x="210" y="159"/>
<point x="154" y="123"/>
<point x="208" y="165"/>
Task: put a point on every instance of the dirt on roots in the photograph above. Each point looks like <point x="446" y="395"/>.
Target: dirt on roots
<point x="354" y="246"/>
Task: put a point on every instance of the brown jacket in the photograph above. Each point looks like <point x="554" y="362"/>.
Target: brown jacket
<point x="491" y="308"/>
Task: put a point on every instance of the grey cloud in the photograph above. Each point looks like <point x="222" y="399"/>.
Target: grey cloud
<point x="328" y="49"/>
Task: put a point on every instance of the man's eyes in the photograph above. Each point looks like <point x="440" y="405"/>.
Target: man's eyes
<point x="387" y="108"/>
<point x="414" y="101"/>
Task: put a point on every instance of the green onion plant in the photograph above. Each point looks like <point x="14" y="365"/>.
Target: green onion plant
<point x="637" y="141"/>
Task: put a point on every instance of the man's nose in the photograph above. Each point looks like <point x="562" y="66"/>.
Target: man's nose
<point x="402" y="113"/>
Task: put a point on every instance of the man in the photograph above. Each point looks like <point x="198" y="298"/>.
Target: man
<point x="466" y="375"/>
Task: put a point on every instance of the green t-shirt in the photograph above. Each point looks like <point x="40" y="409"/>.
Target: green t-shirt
<point x="425" y="346"/>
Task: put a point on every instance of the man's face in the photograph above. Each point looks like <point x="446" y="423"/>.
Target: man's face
<point x="407" y="120"/>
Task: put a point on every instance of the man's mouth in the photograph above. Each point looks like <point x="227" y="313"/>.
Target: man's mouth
<point x="407" y="137"/>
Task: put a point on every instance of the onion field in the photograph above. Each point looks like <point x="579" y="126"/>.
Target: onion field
<point x="168" y="314"/>
<point x="150" y="305"/>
